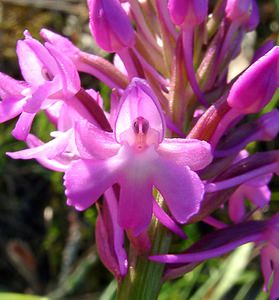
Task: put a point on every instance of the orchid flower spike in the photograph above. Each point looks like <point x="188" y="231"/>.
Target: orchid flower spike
<point x="138" y="157"/>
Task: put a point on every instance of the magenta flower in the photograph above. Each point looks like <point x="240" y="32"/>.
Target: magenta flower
<point x="138" y="157"/>
<point x="49" y="76"/>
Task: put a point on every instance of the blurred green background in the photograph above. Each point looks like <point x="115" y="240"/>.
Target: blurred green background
<point x="47" y="248"/>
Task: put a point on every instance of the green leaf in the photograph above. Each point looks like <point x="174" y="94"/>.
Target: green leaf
<point x="14" y="296"/>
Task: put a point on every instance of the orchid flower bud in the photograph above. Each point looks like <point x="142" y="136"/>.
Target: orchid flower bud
<point x="110" y="25"/>
<point x="238" y="11"/>
<point x="110" y="237"/>
<point x="254" y="17"/>
<point x="188" y="13"/>
<point x="256" y="86"/>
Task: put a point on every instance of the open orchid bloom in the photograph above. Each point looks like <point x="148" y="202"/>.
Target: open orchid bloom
<point x="49" y="76"/>
<point x="138" y="157"/>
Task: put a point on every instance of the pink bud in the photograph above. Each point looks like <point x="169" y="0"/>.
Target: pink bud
<point x="110" y="25"/>
<point x="238" y="11"/>
<point x="254" y="17"/>
<point x="188" y="13"/>
<point x="256" y="86"/>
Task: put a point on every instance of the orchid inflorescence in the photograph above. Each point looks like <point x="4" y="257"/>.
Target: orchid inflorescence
<point x="172" y="147"/>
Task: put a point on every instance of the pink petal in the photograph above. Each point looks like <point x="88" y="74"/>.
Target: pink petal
<point x="60" y="42"/>
<point x="33" y="105"/>
<point x="92" y="141"/>
<point x="138" y="100"/>
<point x="53" y="112"/>
<point x="11" y="88"/>
<point x="181" y="188"/>
<point x="86" y="180"/>
<point x="23" y="126"/>
<point x="203" y="255"/>
<point x="34" y="61"/>
<point x="166" y="220"/>
<point x="188" y="152"/>
<point x="236" y="206"/>
<point x="260" y="181"/>
<point x="59" y="163"/>
<point x="67" y="70"/>
<point x="259" y="196"/>
<point x="10" y="108"/>
<point x="135" y="204"/>
<point x="48" y="150"/>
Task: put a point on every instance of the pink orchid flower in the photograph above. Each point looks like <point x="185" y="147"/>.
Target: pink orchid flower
<point x="49" y="76"/>
<point x="138" y="157"/>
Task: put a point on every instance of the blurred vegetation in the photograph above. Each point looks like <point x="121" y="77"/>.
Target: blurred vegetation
<point x="47" y="248"/>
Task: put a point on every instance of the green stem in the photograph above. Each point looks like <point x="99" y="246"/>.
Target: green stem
<point x="143" y="280"/>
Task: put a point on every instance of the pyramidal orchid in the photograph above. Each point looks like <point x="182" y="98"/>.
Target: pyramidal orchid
<point x="166" y="148"/>
<point x="138" y="157"/>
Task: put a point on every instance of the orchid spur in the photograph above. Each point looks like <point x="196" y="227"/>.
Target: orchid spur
<point x="138" y="157"/>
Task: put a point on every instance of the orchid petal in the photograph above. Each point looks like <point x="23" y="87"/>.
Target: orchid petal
<point x="60" y="42"/>
<point x="40" y="94"/>
<point x="53" y="112"/>
<point x="86" y="180"/>
<point x="68" y="70"/>
<point x="203" y="255"/>
<point x="236" y="206"/>
<point x="59" y="163"/>
<point x="36" y="64"/>
<point x="181" y="188"/>
<point x="166" y="220"/>
<point x="11" y="88"/>
<point x="92" y="141"/>
<point x="48" y="150"/>
<point x="188" y="152"/>
<point x="23" y="126"/>
<point x="10" y="108"/>
<point x="135" y="204"/>
<point x="260" y="181"/>
<point x="259" y="196"/>
<point x="138" y="100"/>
